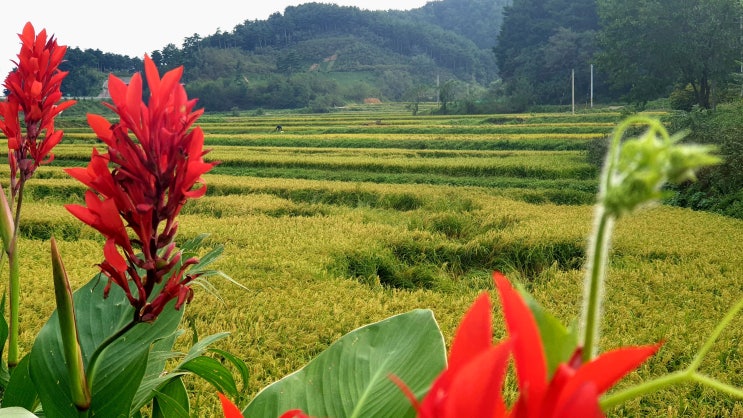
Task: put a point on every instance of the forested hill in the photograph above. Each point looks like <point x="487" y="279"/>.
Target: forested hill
<point x="455" y="36"/>
<point x="323" y="54"/>
<point x="359" y="40"/>
<point x="477" y="20"/>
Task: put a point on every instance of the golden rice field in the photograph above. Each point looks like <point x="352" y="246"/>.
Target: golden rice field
<point x="348" y="218"/>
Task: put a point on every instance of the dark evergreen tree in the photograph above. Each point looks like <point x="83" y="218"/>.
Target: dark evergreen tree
<point x="650" y="46"/>
<point x="477" y="20"/>
<point x="539" y="45"/>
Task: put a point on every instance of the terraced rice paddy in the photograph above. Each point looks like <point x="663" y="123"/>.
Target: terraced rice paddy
<point x="347" y="218"/>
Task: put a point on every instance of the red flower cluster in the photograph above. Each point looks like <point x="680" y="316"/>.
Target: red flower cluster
<point x="472" y="383"/>
<point x="152" y="177"/>
<point x="34" y="89"/>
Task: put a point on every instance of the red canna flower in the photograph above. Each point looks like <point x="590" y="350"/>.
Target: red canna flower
<point x="153" y="165"/>
<point x="574" y="389"/>
<point x="472" y="383"/>
<point x="34" y="90"/>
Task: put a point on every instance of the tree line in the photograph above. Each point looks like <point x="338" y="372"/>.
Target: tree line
<point x="641" y="50"/>
<point x="470" y="55"/>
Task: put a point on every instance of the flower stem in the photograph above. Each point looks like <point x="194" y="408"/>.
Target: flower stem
<point x="619" y="397"/>
<point x="689" y="374"/>
<point x="595" y="272"/>
<point x="15" y="295"/>
<point x="15" y="286"/>
<point x="716" y="333"/>
<point x="92" y="363"/>
<point x="715" y="384"/>
<point x="598" y="255"/>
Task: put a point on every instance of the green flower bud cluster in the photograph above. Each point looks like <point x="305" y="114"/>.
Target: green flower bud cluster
<point x="638" y="168"/>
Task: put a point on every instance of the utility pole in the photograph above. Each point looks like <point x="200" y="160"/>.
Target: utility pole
<point x="438" y="89"/>
<point x="591" y="86"/>
<point x="572" y="81"/>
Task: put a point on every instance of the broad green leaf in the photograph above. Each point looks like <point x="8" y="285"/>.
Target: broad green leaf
<point x="198" y="348"/>
<point x="208" y="259"/>
<point x="171" y="401"/>
<point x="21" y="390"/>
<point x="121" y="366"/>
<point x="213" y="372"/>
<point x="154" y="377"/>
<point x="191" y="249"/>
<point x="192" y="245"/>
<point x="148" y="389"/>
<point x="237" y="362"/>
<point x="4" y="373"/>
<point x="351" y="378"/>
<point x="16" y="412"/>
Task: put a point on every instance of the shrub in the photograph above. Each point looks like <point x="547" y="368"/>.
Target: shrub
<point x="718" y="188"/>
<point x="683" y="98"/>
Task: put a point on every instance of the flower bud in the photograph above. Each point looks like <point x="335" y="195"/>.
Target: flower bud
<point x="68" y="327"/>
<point x="6" y="220"/>
<point x="638" y="168"/>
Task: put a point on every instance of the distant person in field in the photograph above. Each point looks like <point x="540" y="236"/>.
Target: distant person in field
<point x="279" y="128"/>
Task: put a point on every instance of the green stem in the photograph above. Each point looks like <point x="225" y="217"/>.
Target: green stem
<point x="15" y="287"/>
<point x="619" y="397"/>
<point x="595" y="271"/>
<point x="92" y="364"/>
<point x="689" y="374"/>
<point x="715" y="384"/>
<point x="716" y="333"/>
<point x="14" y="301"/>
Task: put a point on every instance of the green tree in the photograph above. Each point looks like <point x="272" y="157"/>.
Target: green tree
<point x="192" y="59"/>
<point x="648" y="46"/>
<point x="447" y="91"/>
<point x="478" y="20"/>
<point x="288" y="63"/>
<point x="83" y="82"/>
<point x="541" y="42"/>
<point x="171" y="57"/>
<point x="395" y="84"/>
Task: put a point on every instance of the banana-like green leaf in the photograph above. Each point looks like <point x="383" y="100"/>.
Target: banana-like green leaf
<point x="237" y="362"/>
<point x="213" y="372"/>
<point x="200" y="347"/>
<point x="16" y="412"/>
<point x="352" y="377"/>
<point x="21" y="390"/>
<point x="120" y="368"/>
<point x="4" y="373"/>
<point x="161" y="352"/>
<point x="171" y="401"/>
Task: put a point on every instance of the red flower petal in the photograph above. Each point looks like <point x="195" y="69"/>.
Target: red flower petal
<point x="476" y="389"/>
<point x="582" y="403"/>
<point x="294" y="413"/>
<point x="113" y="256"/>
<point x="607" y="369"/>
<point x="101" y="126"/>
<point x="228" y="408"/>
<point x="528" y="351"/>
<point x="474" y="334"/>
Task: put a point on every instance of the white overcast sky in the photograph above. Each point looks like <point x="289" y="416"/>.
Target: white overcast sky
<point x="136" y="27"/>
